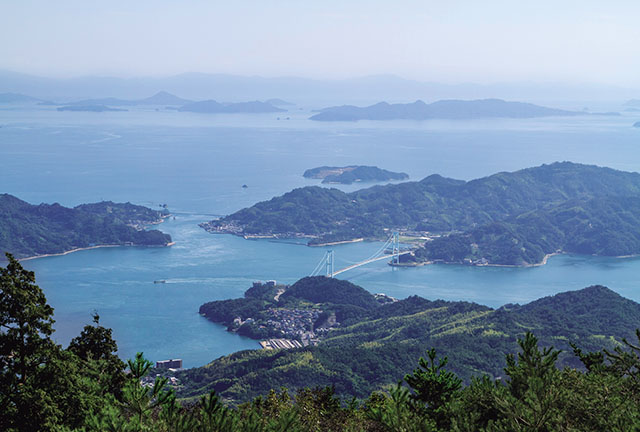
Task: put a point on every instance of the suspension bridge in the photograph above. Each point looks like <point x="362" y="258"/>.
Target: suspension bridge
<point x="326" y="265"/>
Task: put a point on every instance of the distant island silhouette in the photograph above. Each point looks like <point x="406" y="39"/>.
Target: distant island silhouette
<point x="444" y="109"/>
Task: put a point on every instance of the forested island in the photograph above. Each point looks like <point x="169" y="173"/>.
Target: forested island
<point x="515" y="218"/>
<point x="371" y="340"/>
<point x="444" y="109"/>
<point x="353" y="173"/>
<point x="28" y="230"/>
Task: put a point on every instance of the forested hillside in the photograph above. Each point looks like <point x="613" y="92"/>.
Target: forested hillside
<point x="29" y="230"/>
<point x="507" y="218"/>
<point x="368" y="350"/>
<point x="86" y="387"/>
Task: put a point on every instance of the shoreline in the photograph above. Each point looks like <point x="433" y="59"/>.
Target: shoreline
<point x="89" y="248"/>
<point x="358" y="240"/>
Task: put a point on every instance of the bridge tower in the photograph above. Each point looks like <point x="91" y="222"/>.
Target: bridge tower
<point x="329" y="263"/>
<point x="396" y="248"/>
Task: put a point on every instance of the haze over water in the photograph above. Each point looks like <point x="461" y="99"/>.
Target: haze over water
<point x="197" y="164"/>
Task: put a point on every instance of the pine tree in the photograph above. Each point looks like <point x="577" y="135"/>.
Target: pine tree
<point x="25" y="349"/>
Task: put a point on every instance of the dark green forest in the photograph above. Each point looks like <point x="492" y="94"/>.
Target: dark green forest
<point x="86" y="387"/>
<point x="507" y="218"/>
<point x="29" y="230"/>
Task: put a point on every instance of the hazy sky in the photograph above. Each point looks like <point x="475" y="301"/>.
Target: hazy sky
<point x="448" y="41"/>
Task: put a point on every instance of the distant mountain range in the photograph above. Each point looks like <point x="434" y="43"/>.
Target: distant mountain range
<point x="160" y="98"/>
<point x="17" y="98"/>
<point x="361" y="90"/>
<point x="444" y="109"/>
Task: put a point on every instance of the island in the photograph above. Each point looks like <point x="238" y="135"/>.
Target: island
<point x="28" y="230"/>
<point x="632" y="103"/>
<point x="212" y="106"/>
<point x="637" y="124"/>
<point x="278" y="102"/>
<point x="160" y="98"/>
<point x="517" y="218"/>
<point x="369" y="343"/>
<point x="353" y="173"/>
<point x="89" y="108"/>
<point x="444" y="109"/>
<point x="17" y="98"/>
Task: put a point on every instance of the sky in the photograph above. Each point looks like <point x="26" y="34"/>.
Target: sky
<point x="481" y="41"/>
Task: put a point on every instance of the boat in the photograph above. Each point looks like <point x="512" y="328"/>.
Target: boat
<point x="159" y="281"/>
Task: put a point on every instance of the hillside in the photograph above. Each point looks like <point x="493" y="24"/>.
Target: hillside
<point x="598" y="226"/>
<point x="372" y="350"/>
<point x="29" y="230"/>
<point x="295" y="311"/>
<point x="521" y="205"/>
<point x="444" y="109"/>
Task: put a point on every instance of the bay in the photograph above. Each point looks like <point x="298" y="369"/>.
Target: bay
<point x="197" y="164"/>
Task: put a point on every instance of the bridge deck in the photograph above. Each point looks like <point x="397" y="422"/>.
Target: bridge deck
<point x="367" y="262"/>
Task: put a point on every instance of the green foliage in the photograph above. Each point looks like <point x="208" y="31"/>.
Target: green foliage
<point x="395" y="413"/>
<point x="368" y="352"/>
<point x="507" y="218"/>
<point x="96" y="346"/>
<point x="46" y="388"/>
<point x="321" y="289"/>
<point x="28" y="230"/>
<point x="434" y="387"/>
<point x="25" y="350"/>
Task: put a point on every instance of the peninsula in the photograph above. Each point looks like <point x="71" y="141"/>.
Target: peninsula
<point x="370" y="341"/>
<point x="28" y="230"/>
<point x="444" y="109"/>
<point x="515" y="218"/>
<point x="303" y="312"/>
<point x="353" y="173"/>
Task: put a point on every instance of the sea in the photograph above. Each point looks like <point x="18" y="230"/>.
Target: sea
<point x="197" y="165"/>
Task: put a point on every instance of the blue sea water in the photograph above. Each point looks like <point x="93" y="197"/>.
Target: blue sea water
<point x="197" y="163"/>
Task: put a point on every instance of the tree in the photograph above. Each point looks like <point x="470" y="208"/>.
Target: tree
<point x="25" y="349"/>
<point x="533" y="396"/>
<point x="96" y="345"/>
<point x="434" y="387"/>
